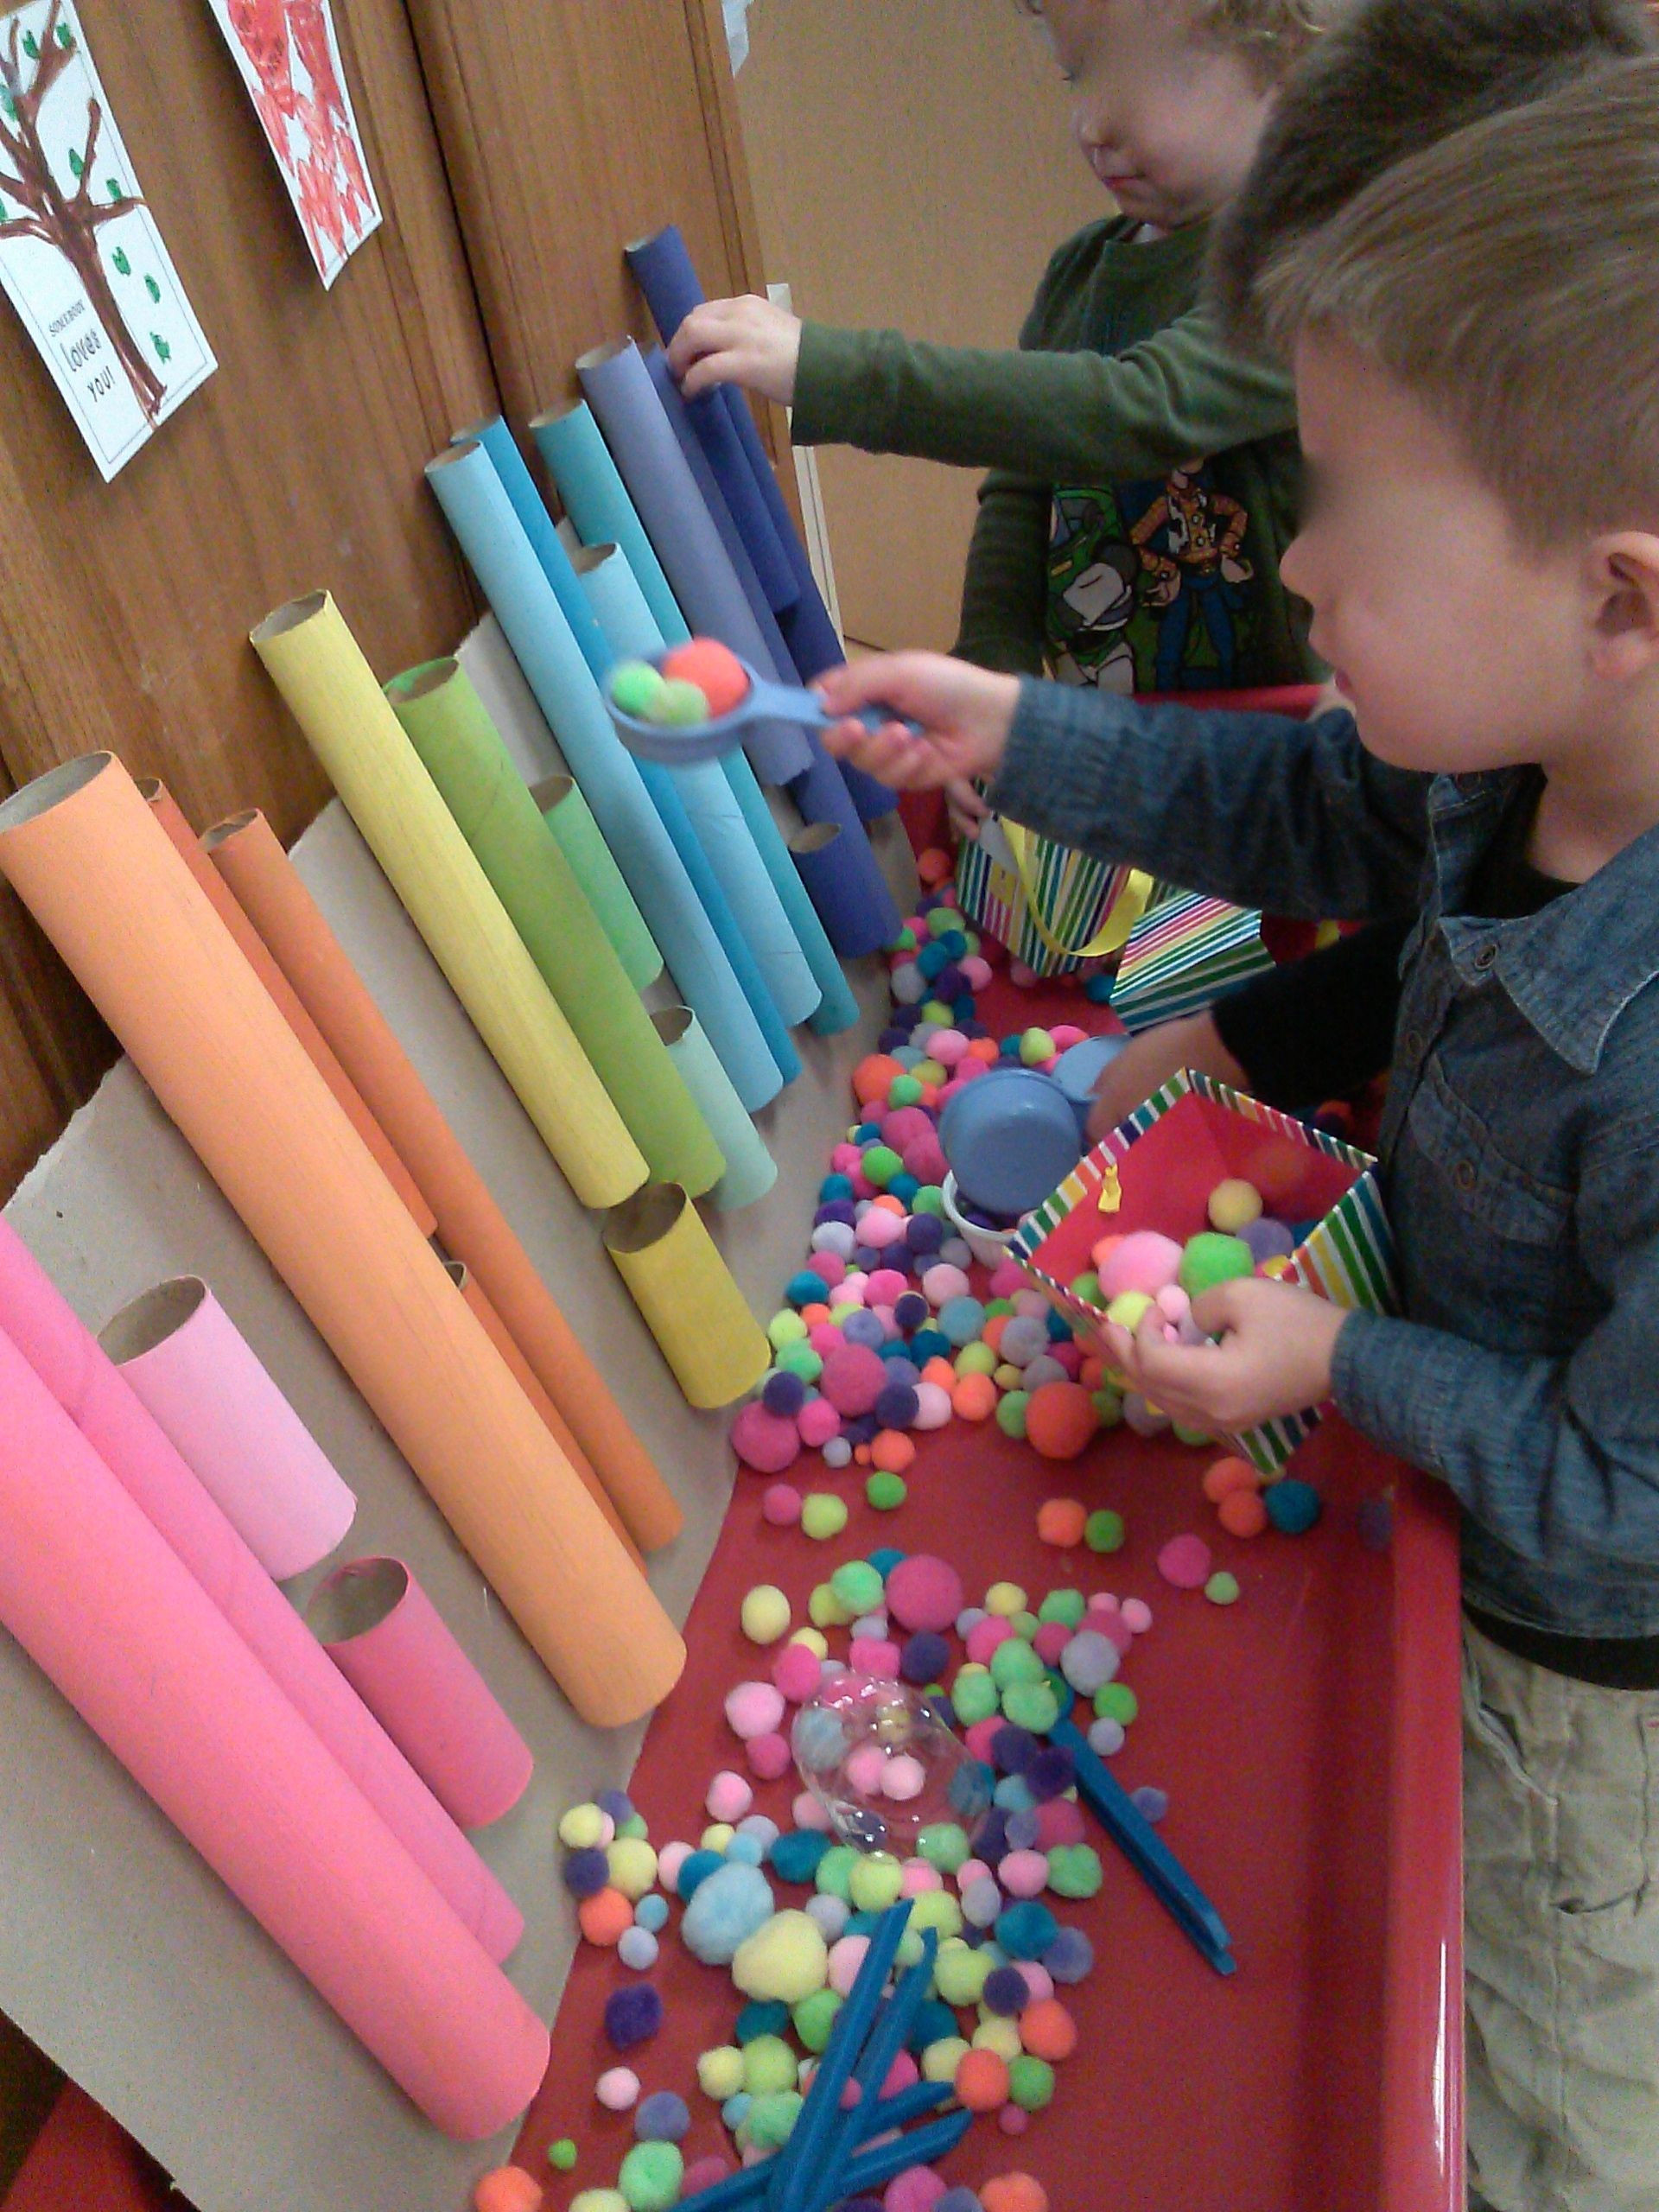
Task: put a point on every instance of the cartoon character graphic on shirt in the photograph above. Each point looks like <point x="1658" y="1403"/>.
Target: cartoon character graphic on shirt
<point x="1190" y="541"/>
<point x="1092" y="574"/>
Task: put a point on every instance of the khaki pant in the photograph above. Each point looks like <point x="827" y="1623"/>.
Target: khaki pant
<point x="1561" y="1795"/>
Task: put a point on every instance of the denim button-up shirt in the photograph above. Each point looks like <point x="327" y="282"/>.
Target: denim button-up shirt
<point x="1520" y="1149"/>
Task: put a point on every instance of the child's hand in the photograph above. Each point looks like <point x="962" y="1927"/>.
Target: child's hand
<point x="1277" y="1344"/>
<point x="966" y="808"/>
<point x="965" y="714"/>
<point x="747" y="341"/>
<point x="1147" y="1063"/>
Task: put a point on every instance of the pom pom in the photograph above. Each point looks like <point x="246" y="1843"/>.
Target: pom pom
<point x="765" y="1615"/>
<point x="1294" y="1507"/>
<point x="852" y="1379"/>
<point x="714" y="668"/>
<point x="753" y="1709"/>
<point x="924" y="1592"/>
<point x="786" y="1959"/>
<point x="1142" y="1261"/>
<point x="763" y="1440"/>
<point x="1060" y="1423"/>
<point x="632" y="2016"/>
<point x="1184" y="1562"/>
<point x="725" y="1911"/>
<point x="1210" y="1259"/>
<point x="1233" y="1205"/>
<point x="508" y="2189"/>
<point x="781" y="1506"/>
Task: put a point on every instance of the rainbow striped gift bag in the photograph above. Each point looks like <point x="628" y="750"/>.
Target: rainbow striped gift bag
<point x="1182" y="955"/>
<point x="1156" y="1171"/>
<point x="1053" y="908"/>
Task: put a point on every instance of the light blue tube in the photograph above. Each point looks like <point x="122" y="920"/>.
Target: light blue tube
<point x="596" y="500"/>
<point x="620" y="608"/>
<point x="527" y="502"/>
<point x="630" y="629"/>
<point x="501" y="557"/>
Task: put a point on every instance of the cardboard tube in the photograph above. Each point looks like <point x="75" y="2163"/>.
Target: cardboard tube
<point x="751" y="1171"/>
<point x="234" y="1429"/>
<point x="182" y="837"/>
<point x="248" y="853"/>
<point x="685" y="1292"/>
<point x="389" y="1640"/>
<point x="81" y="1375"/>
<point x="330" y="689"/>
<point x="571" y="818"/>
<point x="109" y="1614"/>
<point x="547" y="1412"/>
<point x="99" y="875"/>
<point x="598" y="504"/>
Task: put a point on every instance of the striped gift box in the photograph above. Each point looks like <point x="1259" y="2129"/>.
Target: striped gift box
<point x="1156" y="1171"/>
<point x="1074" y="895"/>
<point x="1182" y="955"/>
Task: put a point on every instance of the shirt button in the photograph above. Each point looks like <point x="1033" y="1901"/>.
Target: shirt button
<point x="1463" y="1175"/>
<point x="1485" y="956"/>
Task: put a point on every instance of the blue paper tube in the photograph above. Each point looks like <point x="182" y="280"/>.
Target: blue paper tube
<point x="648" y="453"/>
<point x="751" y="1171"/>
<point x="499" y="554"/>
<point x="614" y="592"/>
<point x="716" y="819"/>
<point x="664" y="272"/>
<point x="774" y="1014"/>
<point x="596" y="500"/>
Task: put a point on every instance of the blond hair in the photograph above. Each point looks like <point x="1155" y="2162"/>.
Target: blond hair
<point x="1506" y="277"/>
<point x="1272" y="34"/>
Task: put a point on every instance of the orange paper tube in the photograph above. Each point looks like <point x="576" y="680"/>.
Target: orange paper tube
<point x="169" y="813"/>
<point x="104" y="881"/>
<point x="547" y="1412"/>
<point x="271" y="891"/>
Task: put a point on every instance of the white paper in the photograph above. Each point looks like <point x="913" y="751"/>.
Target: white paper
<point x="288" y="58"/>
<point x="80" y="257"/>
<point x="737" y="31"/>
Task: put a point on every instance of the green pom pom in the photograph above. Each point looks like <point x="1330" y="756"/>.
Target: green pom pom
<point x="1211" y="1258"/>
<point x="903" y="1091"/>
<point x="974" y="1695"/>
<point x="770" y="2121"/>
<point x="823" y="1516"/>
<point x="929" y="1199"/>
<point x="944" y="1846"/>
<point x="1036" y="1046"/>
<point x="562" y="2155"/>
<point x="1014" y="1660"/>
<point x="1116" y="1701"/>
<point x="960" y="1973"/>
<point x="1109" y="1404"/>
<point x="1086" y="1287"/>
<point x="886" y="1492"/>
<point x="834" y="1872"/>
<point x="1031" y="2082"/>
<point x="678" y="705"/>
<point x="651" y="2176"/>
<point x="1222" y="1588"/>
<point x="1074" y="1871"/>
<point x="1032" y="1705"/>
<point x="1011" y="1412"/>
<point x="635" y="688"/>
<point x="814" y="2016"/>
<point x="858" y="1585"/>
<point x="1196" y="1436"/>
<point x="975" y="1359"/>
<point x="905" y="942"/>
<point x="769" y="2064"/>
<point x="799" y="1358"/>
<point x="1103" y="1531"/>
<point x="1067" y="1605"/>
<point x="881" y="1163"/>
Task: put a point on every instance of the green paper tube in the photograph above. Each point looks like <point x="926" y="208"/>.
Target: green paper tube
<point x="751" y="1171"/>
<point x="445" y="721"/>
<point x="631" y="631"/>
<point x="597" y="501"/>
<point x="610" y="588"/>
<point x="567" y="814"/>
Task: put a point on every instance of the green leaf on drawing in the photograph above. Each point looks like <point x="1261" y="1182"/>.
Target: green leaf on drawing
<point x="121" y="262"/>
<point x="153" y="288"/>
<point x="163" y="351"/>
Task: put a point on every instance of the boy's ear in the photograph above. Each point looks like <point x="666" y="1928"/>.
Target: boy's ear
<point x="1623" y="583"/>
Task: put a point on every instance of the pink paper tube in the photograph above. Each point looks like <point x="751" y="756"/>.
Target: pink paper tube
<point x="389" y="1640"/>
<point x="107" y="1611"/>
<point x="233" y="1428"/>
<point x="70" y="1362"/>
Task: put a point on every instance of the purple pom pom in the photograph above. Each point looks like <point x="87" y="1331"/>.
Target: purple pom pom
<point x="784" y="1395"/>
<point x="924" y="1232"/>
<point x="586" y="1874"/>
<point x="1014" y="1751"/>
<point x="617" y="1803"/>
<point x="911" y="1310"/>
<point x="898" y="1406"/>
<point x="1006" y="1991"/>
<point x="924" y="1658"/>
<point x="1052" y="1773"/>
<point x="632" y="2015"/>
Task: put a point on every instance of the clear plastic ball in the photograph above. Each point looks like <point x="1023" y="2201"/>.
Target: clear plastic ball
<point x="884" y="1766"/>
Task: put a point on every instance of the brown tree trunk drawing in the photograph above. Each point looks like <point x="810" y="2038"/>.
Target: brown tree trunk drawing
<point x="69" y="225"/>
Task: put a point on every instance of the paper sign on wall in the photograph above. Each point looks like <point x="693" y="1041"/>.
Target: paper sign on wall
<point x="80" y="257"/>
<point x="290" y="61"/>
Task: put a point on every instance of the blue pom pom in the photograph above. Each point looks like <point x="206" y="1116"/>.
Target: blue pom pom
<point x="744" y="1851"/>
<point x="632" y="2015"/>
<point x="1027" y="1929"/>
<point x="695" y="1871"/>
<point x="948" y="982"/>
<point x="1024" y="1828"/>
<point x="833" y="1187"/>
<point x="910" y="1308"/>
<point x="866" y="1133"/>
<point x="931" y="959"/>
<point x="884" y="1560"/>
<point x="928" y="1343"/>
<point x="651" y="1913"/>
<point x="901" y="1368"/>
<point x="933" y="2022"/>
<point x="726" y="1912"/>
<point x="783" y="1394"/>
<point x="865" y="1257"/>
<point x="1006" y="1991"/>
<point x="766" y="2016"/>
<point x="924" y="1658"/>
<point x="617" y="1803"/>
<point x="861" y="1430"/>
<point x="735" y="2111"/>
<point x="1014" y="1794"/>
<point x="1059" y="1329"/>
<point x="806" y="1288"/>
<point x="955" y="944"/>
<point x="863" y="1328"/>
<point x="962" y="1010"/>
<point x="1010" y="1048"/>
<point x="796" y="1855"/>
<point x="586" y="1874"/>
<point x="897" y="1406"/>
<point x="991" y="1844"/>
<point x="1071" y="1957"/>
<point x="1098" y="989"/>
<point x="1293" y="1506"/>
<point x="662" y="2118"/>
<point x="961" y="1320"/>
<point x="902" y="1186"/>
<point x="1014" y="1748"/>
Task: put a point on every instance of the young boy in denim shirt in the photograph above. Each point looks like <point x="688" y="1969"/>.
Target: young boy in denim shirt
<point x="1473" y="341"/>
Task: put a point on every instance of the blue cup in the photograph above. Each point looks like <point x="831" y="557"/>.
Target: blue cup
<point x="1077" y="1072"/>
<point x="1011" y="1137"/>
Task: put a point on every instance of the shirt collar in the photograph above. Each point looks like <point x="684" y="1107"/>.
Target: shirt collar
<point x="1573" y="967"/>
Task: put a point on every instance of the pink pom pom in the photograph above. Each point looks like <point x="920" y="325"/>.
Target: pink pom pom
<point x="844" y="1159"/>
<point x="918" y="1877"/>
<point x="1065" y="1035"/>
<point x="817" y="1422"/>
<point x="982" y="1736"/>
<point x="1185" y="1561"/>
<point x="885" y="1285"/>
<point x="881" y="1227"/>
<point x="669" y="1860"/>
<point x="846" y="1957"/>
<point x="903" y="2074"/>
<point x="806" y="1812"/>
<point x="1007" y="1277"/>
<point x="864" y="1767"/>
<point x="948" y="1047"/>
<point x="729" y="1797"/>
<point x="905" y="1123"/>
<point x="985" y="1636"/>
<point x="922" y="1591"/>
<point x="769" y="1757"/>
<point x="1024" y="1873"/>
<point x="933" y="1406"/>
<point x="1050" y="1640"/>
<point x="826" y="1336"/>
<point x="1037" y="1979"/>
<point x="943" y="1283"/>
<point x="781" y="1506"/>
<point x="703" y="2173"/>
<point x="765" y="1441"/>
<point x="852" y="1379"/>
<point x="1060" y="1822"/>
<point x="1117" y="1631"/>
<point x="1144" y="1261"/>
<point x="976" y="972"/>
<point x="1020" y="976"/>
<point x="970" y="1872"/>
<point x="923" y="1156"/>
<point x="871" y="1655"/>
<point x="1068" y="1354"/>
<point x="1013" y="2120"/>
<point x="753" y="1709"/>
<point x="829" y="1267"/>
<point x="796" y="1672"/>
<point x="1137" y="1615"/>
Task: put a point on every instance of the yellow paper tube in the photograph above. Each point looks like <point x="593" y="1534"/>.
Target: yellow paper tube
<point x="330" y="689"/>
<point x="98" y="873"/>
<point x="684" y="1289"/>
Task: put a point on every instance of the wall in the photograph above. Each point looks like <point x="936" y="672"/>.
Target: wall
<point x="912" y="166"/>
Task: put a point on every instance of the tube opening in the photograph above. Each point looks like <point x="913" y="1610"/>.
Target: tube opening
<point x="152" y="1318"/>
<point x="645" y="1219"/>
<point x="290" y="617"/>
<point x="51" y="788"/>
<point x="356" y="1599"/>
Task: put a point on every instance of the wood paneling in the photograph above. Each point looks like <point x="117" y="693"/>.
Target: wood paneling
<point x="568" y="129"/>
<point x="125" y="609"/>
<point x="913" y="166"/>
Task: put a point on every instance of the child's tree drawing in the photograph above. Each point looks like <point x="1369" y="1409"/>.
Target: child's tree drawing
<point x="68" y="221"/>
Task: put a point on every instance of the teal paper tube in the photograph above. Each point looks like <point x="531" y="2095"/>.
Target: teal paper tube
<point x="569" y="816"/>
<point x="620" y="608"/>
<point x="751" y="1171"/>
<point x="596" y="500"/>
<point x="500" y="556"/>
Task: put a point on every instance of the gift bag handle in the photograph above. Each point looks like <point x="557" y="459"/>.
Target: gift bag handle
<point x="1126" y="910"/>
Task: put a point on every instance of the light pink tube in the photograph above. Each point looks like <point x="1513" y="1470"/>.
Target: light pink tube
<point x="389" y="1640"/>
<point x="69" y="1360"/>
<point x="233" y="1428"/>
<point x="108" y="1612"/>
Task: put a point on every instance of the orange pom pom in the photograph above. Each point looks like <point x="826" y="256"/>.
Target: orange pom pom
<point x="974" y="1397"/>
<point x="1061" y="1421"/>
<point x="1102" y="1252"/>
<point x="1048" y="2030"/>
<point x="981" y="2081"/>
<point x="604" y="1916"/>
<point x="887" y="1204"/>
<point x="1061" y="1521"/>
<point x="892" y="1450"/>
<point x="509" y="2189"/>
<point x="1228" y="1475"/>
<point x="874" y="1078"/>
<point x="932" y="866"/>
<point x="1092" y="1374"/>
<point x="1243" y="1513"/>
<point x="1013" y="2193"/>
<point x="983" y="1048"/>
<point x="813" y="1314"/>
<point x="940" y="1370"/>
<point x="714" y="668"/>
<point x="862" y="1454"/>
<point x="992" y="1332"/>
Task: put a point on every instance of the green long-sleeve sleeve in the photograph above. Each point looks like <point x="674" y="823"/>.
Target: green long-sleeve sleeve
<point x="1005" y="591"/>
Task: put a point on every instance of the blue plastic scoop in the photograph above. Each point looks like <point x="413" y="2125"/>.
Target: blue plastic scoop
<point x="679" y="745"/>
